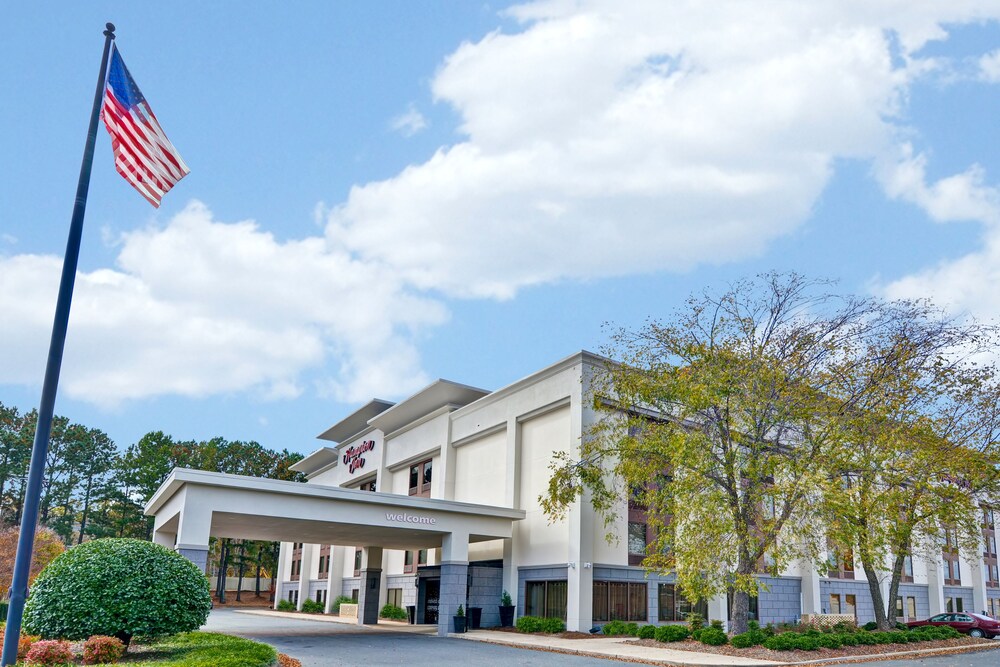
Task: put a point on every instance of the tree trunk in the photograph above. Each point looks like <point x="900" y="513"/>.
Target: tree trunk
<point x="223" y="566"/>
<point x="739" y="615"/>
<point x="239" y="581"/>
<point x="86" y="509"/>
<point x="260" y="553"/>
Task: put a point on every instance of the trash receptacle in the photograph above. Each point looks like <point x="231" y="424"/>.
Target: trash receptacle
<point x="475" y="617"/>
<point x="411" y="613"/>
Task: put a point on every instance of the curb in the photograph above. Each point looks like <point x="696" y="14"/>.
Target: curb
<point x="878" y="657"/>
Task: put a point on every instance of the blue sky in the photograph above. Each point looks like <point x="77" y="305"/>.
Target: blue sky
<point x="386" y="193"/>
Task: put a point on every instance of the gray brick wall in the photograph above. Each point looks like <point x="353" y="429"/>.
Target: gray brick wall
<point x="779" y="600"/>
<point x="408" y="583"/>
<point x="864" y="610"/>
<point x="454" y="583"/>
<point x="350" y="584"/>
<point x="484" y="589"/>
<point x="920" y="593"/>
<point x="957" y="592"/>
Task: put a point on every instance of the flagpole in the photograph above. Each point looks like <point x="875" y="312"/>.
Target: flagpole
<point x="29" y="515"/>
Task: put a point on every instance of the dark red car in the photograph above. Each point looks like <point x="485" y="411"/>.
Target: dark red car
<point x="974" y="625"/>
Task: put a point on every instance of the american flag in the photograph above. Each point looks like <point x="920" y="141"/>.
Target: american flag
<point x="143" y="154"/>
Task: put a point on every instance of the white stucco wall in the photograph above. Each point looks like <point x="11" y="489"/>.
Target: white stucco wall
<point x="480" y="470"/>
<point x="539" y="542"/>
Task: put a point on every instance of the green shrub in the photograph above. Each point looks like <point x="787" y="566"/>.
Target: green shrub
<point x="672" y="633"/>
<point x="120" y="588"/>
<point x="717" y="624"/>
<point x="50" y="652"/>
<point x="752" y="637"/>
<point x="848" y="638"/>
<point x="870" y="626"/>
<point x="615" y="628"/>
<point x="528" y="624"/>
<point x="647" y="632"/>
<point x="769" y="630"/>
<point x="394" y="612"/>
<point x="695" y="622"/>
<point x="790" y="641"/>
<point x="553" y="625"/>
<point x="830" y="640"/>
<point x="867" y="638"/>
<point x="844" y="627"/>
<point x="505" y="600"/>
<point x="713" y="636"/>
<point x="286" y="605"/>
<point x="948" y="632"/>
<point x="311" y="606"/>
<point x="339" y="600"/>
<point x="897" y="637"/>
<point x="102" y="650"/>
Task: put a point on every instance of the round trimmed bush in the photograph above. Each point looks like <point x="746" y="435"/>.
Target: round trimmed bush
<point x="647" y="632"/>
<point x="713" y="636"/>
<point x="120" y="588"/>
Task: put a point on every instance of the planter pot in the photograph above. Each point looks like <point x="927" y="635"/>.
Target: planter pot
<point x="459" y="623"/>
<point x="507" y="616"/>
<point x="475" y="617"/>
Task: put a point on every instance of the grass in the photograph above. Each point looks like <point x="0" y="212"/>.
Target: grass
<point x="206" y="649"/>
<point x="198" y="649"/>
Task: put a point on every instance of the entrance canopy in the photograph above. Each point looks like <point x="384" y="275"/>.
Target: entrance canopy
<point x="193" y="505"/>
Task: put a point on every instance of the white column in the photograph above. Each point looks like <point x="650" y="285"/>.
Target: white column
<point x="935" y="585"/>
<point x="811" y="603"/>
<point x="718" y="608"/>
<point x="336" y="580"/>
<point x="977" y="572"/>
<point x="308" y="552"/>
<point x="279" y="575"/>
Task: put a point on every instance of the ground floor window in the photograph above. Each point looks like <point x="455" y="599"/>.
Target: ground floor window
<point x="753" y="607"/>
<point x="620" y="601"/>
<point x="321" y="596"/>
<point x="354" y="594"/>
<point x="395" y="597"/>
<point x="676" y="607"/>
<point x="953" y="605"/>
<point x="357" y="562"/>
<point x="847" y="605"/>
<point x="293" y="596"/>
<point x="993" y="607"/>
<point x="911" y="608"/>
<point x="545" y="598"/>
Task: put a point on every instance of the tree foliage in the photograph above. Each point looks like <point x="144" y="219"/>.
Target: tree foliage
<point x="729" y="422"/>
<point x="48" y="545"/>
<point x="119" y="588"/>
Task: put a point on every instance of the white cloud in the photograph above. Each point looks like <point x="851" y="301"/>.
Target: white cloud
<point x="989" y="66"/>
<point x="964" y="196"/>
<point x="200" y="307"/>
<point x="615" y="138"/>
<point x="409" y="123"/>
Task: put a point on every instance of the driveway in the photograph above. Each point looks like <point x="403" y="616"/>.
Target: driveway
<point x="323" y="644"/>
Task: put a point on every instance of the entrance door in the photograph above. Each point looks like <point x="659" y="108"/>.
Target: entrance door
<point x="432" y="595"/>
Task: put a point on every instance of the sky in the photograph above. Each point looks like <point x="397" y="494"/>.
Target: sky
<point x="386" y="193"/>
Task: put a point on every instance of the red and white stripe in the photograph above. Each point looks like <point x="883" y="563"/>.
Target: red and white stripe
<point x="143" y="154"/>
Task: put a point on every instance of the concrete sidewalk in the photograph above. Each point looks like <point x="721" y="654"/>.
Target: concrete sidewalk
<point x="609" y="647"/>
<point x="383" y="624"/>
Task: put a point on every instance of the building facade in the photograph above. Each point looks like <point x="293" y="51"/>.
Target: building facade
<point x="456" y="451"/>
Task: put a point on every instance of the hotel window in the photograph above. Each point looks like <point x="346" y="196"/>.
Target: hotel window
<point x="321" y="596"/>
<point x="420" y="479"/>
<point x="546" y="599"/>
<point x="395" y="597"/>
<point x="907" y="574"/>
<point x="990" y="559"/>
<point x="620" y="601"/>
<point x="368" y="486"/>
<point x="911" y="608"/>
<point x="851" y="605"/>
<point x="354" y="594"/>
<point x="949" y="558"/>
<point x="412" y="559"/>
<point x="637" y="541"/>
<point x="357" y="562"/>
<point x="841" y="564"/>
<point x="834" y="603"/>
<point x="954" y="605"/>
<point x="293" y="596"/>
<point x="752" y="607"/>
<point x="899" y="608"/>
<point x="676" y="607"/>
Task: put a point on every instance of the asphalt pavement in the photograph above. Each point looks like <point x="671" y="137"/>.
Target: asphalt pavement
<point x="319" y="644"/>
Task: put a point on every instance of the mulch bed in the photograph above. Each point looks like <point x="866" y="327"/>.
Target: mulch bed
<point x="847" y="652"/>
<point x="561" y="635"/>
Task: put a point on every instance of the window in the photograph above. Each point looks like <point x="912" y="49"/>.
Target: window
<point x="899" y="607"/>
<point x="293" y="596"/>
<point x="911" y="608"/>
<point x="620" y="601"/>
<point x="368" y="486"/>
<point x="420" y="479"/>
<point x="411" y="559"/>
<point x="949" y="558"/>
<point x="636" y="540"/>
<point x="546" y="599"/>
<point x="354" y="594"/>
<point x="850" y="605"/>
<point x="753" y="607"/>
<point x="907" y="575"/>
<point x="357" y="562"/>
<point x="834" y="603"/>
<point x="841" y="564"/>
<point x="395" y="597"/>
<point x="675" y="607"/>
<point x="321" y="596"/>
<point x="949" y="605"/>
